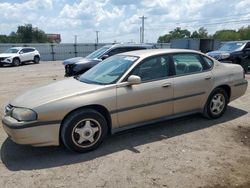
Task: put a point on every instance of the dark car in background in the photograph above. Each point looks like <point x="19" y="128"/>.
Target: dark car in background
<point x="78" y="65"/>
<point x="237" y="52"/>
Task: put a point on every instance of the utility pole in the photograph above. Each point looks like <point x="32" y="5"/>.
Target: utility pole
<point x="75" y="39"/>
<point x="97" y="39"/>
<point x="140" y="35"/>
<point x="75" y="46"/>
<point x="142" y="28"/>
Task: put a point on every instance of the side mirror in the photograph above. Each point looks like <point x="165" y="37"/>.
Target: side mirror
<point x="134" y="80"/>
<point x="247" y="49"/>
<point x="21" y="52"/>
<point x="104" y="56"/>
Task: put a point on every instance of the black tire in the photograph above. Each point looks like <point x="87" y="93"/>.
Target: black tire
<point x="16" y="62"/>
<point x="77" y="133"/>
<point x="214" y="110"/>
<point x="36" y="59"/>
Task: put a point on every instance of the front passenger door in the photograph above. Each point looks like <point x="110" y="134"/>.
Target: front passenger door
<point x="152" y="99"/>
<point x="24" y="55"/>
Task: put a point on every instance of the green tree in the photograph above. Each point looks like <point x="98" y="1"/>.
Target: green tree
<point x="201" y="33"/>
<point x="177" y="33"/>
<point x="39" y="36"/>
<point x="244" y="33"/>
<point x="24" y="32"/>
<point x="226" y="35"/>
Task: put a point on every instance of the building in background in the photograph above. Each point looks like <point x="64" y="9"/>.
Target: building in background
<point x="54" y="37"/>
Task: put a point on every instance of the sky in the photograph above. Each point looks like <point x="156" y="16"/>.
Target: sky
<point x="119" y="20"/>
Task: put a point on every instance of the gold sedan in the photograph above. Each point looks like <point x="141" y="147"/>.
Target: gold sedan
<point x="122" y="92"/>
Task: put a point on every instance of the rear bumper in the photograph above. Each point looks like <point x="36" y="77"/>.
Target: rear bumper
<point x="35" y="133"/>
<point x="239" y="89"/>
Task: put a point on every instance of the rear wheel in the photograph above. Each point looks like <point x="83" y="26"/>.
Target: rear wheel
<point x="36" y="60"/>
<point x="84" y="130"/>
<point x="216" y="104"/>
<point x="16" y="62"/>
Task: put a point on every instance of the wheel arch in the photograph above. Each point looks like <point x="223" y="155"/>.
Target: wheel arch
<point x="99" y="108"/>
<point x="16" y="57"/>
<point x="227" y="88"/>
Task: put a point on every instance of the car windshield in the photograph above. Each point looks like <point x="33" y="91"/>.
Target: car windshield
<point x="12" y="50"/>
<point x="108" y="71"/>
<point x="232" y="46"/>
<point x="97" y="53"/>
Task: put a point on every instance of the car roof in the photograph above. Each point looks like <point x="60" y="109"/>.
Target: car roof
<point x="151" y="52"/>
<point x="19" y="48"/>
<point x="130" y="45"/>
<point x="244" y="41"/>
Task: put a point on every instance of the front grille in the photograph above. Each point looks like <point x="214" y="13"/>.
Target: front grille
<point x="1" y="59"/>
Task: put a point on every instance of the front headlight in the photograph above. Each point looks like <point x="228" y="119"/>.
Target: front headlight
<point x="23" y="114"/>
<point x="8" y="59"/>
<point x="225" y="55"/>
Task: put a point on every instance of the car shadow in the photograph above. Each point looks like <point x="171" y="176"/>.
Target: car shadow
<point x="17" y="157"/>
<point x="10" y="66"/>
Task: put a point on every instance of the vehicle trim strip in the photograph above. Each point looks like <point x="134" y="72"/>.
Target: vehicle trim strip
<point x="240" y="84"/>
<point x="30" y="125"/>
<point x="155" y="103"/>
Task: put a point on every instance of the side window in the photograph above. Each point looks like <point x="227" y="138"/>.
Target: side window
<point x="208" y="61"/>
<point x="24" y="50"/>
<point x="247" y="45"/>
<point x="116" y="51"/>
<point x="136" y="48"/>
<point x="187" y="63"/>
<point x="154" y="68"/>
<point x="31" y="50"/>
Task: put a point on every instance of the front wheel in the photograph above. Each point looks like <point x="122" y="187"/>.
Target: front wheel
<point x="16" y="62"/>
<point x="216" y="104"/>
<point x="84" y="130"/>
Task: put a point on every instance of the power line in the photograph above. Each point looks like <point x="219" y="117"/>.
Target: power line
<point x="203" y="24"/>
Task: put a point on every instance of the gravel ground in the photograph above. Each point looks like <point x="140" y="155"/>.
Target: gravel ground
<point x="187" y="152"/>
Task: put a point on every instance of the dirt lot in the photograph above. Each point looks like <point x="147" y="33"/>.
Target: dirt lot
<point x="187" y="152"/>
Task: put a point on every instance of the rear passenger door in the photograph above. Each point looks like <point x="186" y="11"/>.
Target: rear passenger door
<point x="193" y="82"/>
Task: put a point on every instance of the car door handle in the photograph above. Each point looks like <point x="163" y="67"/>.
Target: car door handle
<point x="166" y="85"/>
<point x="208" y="78"/>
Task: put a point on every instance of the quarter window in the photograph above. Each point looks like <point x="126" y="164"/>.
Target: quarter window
<point x="154" y="68"/>
<point x="187" y="63"/>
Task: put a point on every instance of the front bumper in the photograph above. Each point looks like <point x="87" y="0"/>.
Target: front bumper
<point x="32" y="133"/>
<point x="5" y="62"/>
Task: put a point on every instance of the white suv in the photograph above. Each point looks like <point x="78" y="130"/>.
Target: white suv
<point x="18" y="55"/>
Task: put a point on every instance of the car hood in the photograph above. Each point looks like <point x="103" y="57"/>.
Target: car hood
<point x="79" y="60"/>
<point x="6" y="54"/>
<point x="218" y="54"/>
<point x="53" y="92"/>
